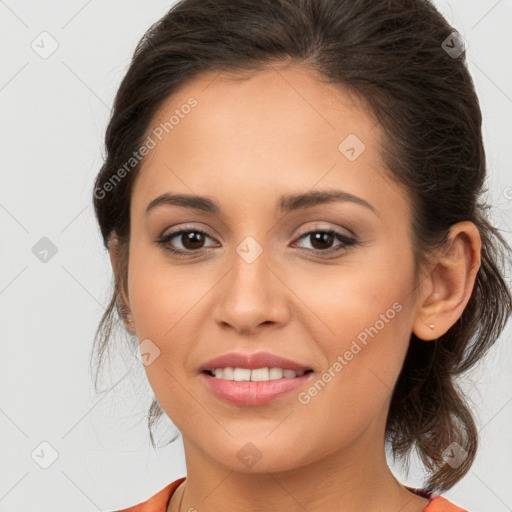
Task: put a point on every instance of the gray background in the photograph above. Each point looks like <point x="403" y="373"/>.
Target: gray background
<point x="54" y="113"/>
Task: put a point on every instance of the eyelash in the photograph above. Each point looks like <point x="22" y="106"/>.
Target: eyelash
<point x="346" y="241"/>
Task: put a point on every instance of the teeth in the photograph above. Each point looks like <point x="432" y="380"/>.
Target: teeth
<point x="256" y="375"/>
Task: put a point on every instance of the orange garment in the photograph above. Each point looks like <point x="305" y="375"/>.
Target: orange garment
<point x="160" y="501"/>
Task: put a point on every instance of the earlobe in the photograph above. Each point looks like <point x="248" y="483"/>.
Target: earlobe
<point x="113" y="251"/>
<point x="123" y="303"/>
<point x="450" y="282"/>
<point x="126" y="314"/>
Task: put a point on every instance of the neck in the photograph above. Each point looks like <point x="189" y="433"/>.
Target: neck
<point x="354" y="479"/>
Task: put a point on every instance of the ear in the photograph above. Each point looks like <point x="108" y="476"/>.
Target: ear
<point x="123" y="301"/>
<point x="447" y="288"/>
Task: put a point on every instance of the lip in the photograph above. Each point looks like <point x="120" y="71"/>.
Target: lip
<point x="253" y="361"/>
<point x="249" y="393"/>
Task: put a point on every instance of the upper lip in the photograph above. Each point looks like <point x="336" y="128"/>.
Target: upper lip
<point x="252" y="361"/>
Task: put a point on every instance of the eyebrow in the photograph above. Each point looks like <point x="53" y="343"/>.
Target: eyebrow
<point x="285" y="204"/>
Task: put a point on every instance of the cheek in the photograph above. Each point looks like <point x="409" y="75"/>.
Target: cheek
<point x="163" y="299"/>
<point x="162" y="293"/>
<point x="362" y="321"/>
<point x="347" y="298"/>
<point x="362" y="363"/>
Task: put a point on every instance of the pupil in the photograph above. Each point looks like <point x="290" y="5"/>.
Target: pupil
<point x="326" y="238"/>
<point x="194" y="239"/>
<point x="321" y="240"/>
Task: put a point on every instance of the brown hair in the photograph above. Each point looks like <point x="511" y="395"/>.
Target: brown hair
<point x="390" y="53"/>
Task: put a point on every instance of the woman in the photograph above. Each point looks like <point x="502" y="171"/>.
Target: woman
<point x="244" y="136"/>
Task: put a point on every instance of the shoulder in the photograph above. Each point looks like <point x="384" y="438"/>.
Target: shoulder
<point x="436" y="503"/>
<point x="158" y="502"/>
<point x="440" y="504"/>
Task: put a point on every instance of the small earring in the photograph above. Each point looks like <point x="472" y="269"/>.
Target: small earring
<point x="431" y="326"/>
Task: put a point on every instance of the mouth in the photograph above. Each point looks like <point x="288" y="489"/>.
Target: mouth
<point x="263" y="365"/>
<point x="250" y="379"/>
<point x="256" y="374"/>
<point x="242" y="390"/>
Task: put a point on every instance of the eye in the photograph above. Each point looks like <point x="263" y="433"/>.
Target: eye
<point x="322" y="239"/>
<point x="191" y="240"/>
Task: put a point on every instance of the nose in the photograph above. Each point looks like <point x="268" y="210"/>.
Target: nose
<point x="252" y="294"/>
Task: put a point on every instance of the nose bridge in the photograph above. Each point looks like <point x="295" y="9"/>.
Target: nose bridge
<point x="251" y="263"/>
<point x="252" y="294"/>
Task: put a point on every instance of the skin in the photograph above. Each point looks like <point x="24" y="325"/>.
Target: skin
<point x="246" y="143"/>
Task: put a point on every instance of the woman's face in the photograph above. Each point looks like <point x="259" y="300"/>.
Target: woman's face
<point x="266" y="277"/>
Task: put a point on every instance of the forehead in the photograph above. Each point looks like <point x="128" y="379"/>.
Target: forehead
<point x="281" y="128"/>
<point x="275" y="107"/>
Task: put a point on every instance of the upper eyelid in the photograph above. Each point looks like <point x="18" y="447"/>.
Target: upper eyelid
<point x="338" y="229"/>
<point x="305" y="231"/>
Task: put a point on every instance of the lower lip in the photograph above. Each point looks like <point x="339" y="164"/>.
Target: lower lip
<point x="253" y="393"/>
